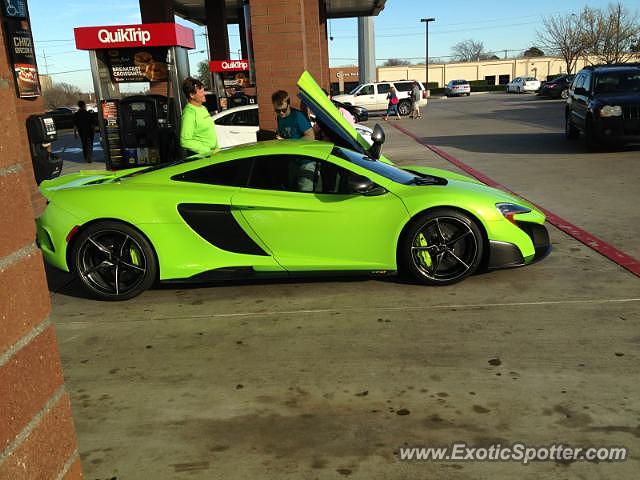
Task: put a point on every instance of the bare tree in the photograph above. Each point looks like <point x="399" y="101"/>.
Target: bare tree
<point x="61" y="94"/>
<point x="396" y="62"/>
<point x="468" y="51"/>
<point x="203" y="74"/>
<point x="609" y="35"/>
<point x="563" y="36"/>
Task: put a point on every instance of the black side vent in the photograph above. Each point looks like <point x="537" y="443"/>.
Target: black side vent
<point x="216" y="225"/>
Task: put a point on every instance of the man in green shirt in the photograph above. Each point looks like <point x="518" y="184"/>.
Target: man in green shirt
<point x="197" y="130"/>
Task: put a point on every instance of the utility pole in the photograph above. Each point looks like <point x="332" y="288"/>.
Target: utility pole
<point x="426" y="55"/>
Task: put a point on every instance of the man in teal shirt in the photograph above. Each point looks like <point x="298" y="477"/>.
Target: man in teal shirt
<point x="197" y="130"/>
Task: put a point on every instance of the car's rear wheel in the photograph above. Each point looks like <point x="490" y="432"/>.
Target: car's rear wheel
<point x="570" y="131"/>
<point x="404" y="108"/>
<point x="114" y="261"/>
<point x="441" y="247"/>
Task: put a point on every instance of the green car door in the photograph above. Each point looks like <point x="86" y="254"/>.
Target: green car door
<point x="315" y="214"/>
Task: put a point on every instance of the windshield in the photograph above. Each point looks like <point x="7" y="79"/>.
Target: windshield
<point x="618" y="82"/>
<point x="529" y="79"/>
<point x="353" y="92"/>
<point x="460" y="82"/>
<point x="391" y="172"/>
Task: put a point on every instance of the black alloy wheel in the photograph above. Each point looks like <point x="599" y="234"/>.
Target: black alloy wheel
<point x="404" y="108"/>
<point x="441" y="247"/>
<point x="114" y="261"/>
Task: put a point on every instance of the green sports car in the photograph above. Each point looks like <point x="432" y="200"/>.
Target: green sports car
<point x="286" y="208"/>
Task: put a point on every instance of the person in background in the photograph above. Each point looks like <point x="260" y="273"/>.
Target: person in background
<point x="197" y="130"/>
<point x="84" y="126"/>
<point x="415" y="101"/>
<point x="292" y="123"/>
<point x="392" y="108"/>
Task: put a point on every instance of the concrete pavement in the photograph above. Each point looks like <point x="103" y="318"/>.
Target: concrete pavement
<point x="328" y="379"/>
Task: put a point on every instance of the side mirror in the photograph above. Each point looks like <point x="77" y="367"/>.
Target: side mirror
<point x="378" y="138"/>
<point x="364" y="186"/>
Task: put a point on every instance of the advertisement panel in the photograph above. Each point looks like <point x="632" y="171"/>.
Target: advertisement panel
<point x="138" y="64"/>
<point x="23" y="58"/>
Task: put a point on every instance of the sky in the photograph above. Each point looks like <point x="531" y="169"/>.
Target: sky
<point x="500" y="25"/>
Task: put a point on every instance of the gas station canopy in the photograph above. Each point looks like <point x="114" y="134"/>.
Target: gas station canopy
<point x="194" y="10"/>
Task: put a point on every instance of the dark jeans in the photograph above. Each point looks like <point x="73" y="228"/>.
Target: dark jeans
<point x="87" y="145"/>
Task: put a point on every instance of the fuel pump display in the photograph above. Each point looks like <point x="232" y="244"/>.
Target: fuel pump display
<point x="147" y="134"/>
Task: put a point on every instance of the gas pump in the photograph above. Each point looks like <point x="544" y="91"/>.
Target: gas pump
<point x="140" y="129"/>
<point x="41" y="131"/>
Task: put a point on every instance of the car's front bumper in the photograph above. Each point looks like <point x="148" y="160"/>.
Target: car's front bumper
<point x="508" y="255"/>
<point x="617" y="129"/>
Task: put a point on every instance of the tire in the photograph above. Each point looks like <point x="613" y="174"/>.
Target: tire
<point x="441" y="247"/>
<point x="564" y="94"/>
<point x="570" y="131"/>
<point x="590" y="139"/>
<point x="404" y="108"/>
<point x="114" y="261"/>
<point x="469" y="94"/>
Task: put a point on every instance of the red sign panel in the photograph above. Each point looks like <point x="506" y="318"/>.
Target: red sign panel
<point x="228" y="65"/>
<point x="129" y="36"/>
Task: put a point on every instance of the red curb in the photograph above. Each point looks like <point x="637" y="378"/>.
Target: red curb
<point x="603" y="248"/>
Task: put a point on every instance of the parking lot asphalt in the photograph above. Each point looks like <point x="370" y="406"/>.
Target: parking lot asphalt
<point x="328" y="379"/>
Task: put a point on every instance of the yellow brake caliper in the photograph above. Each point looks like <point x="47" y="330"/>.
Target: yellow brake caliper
<point x="424" y="254"/>
<point x="135" y="258"/>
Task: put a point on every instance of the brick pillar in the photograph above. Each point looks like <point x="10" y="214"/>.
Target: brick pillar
<point x="37" y="436"/>
<point x="287" y="39"/>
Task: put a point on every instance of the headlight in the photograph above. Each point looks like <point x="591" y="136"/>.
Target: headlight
<point x="511" y="209"/>
<point x="611" y="111"/>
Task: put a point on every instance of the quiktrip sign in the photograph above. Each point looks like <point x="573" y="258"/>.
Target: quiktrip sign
<point x="228" y="65"/>
<point x="234" y="73"/>
<point x="132" y="36"/>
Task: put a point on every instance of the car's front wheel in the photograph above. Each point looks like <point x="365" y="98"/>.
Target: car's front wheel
<point x="114" y="261"/>
<point x="570" y="131"/>
<point x="441" y="247"/>
<point x="564" y="94"/>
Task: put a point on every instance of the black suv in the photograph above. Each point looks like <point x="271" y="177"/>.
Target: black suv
<point x="604" y="104"/>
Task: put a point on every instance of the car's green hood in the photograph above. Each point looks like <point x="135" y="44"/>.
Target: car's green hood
<point x="83" y="177"/>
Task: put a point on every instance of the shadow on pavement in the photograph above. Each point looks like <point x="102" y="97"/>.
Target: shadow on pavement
<point x="518" y="143"/>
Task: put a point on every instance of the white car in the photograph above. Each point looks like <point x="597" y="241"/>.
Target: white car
<point x="523" y="85"/>
<point x="457" y="87"/>
<point x="373" y="96"/>
<point x="240" y="125"/>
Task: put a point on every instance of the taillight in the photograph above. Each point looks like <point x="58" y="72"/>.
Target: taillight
<point x="424" y="94"/>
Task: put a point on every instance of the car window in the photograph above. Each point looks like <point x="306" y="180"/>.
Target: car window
<point x="289" y="173"/>
<point x="386" y="170"/>
<point x="612" y="82"/>
<point x="228" y="119"/>
<point x="578" y="82"/>
<point x="246" y="118"/>
<point x="460" y="82"/>
<point x="232" y="173"/>
<point x="403" y="86"/>
<point x="366" y="90"/>
<point x="587" y="82"/>
<point x="530" y="79"/>
<point x="383" y="88"/>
